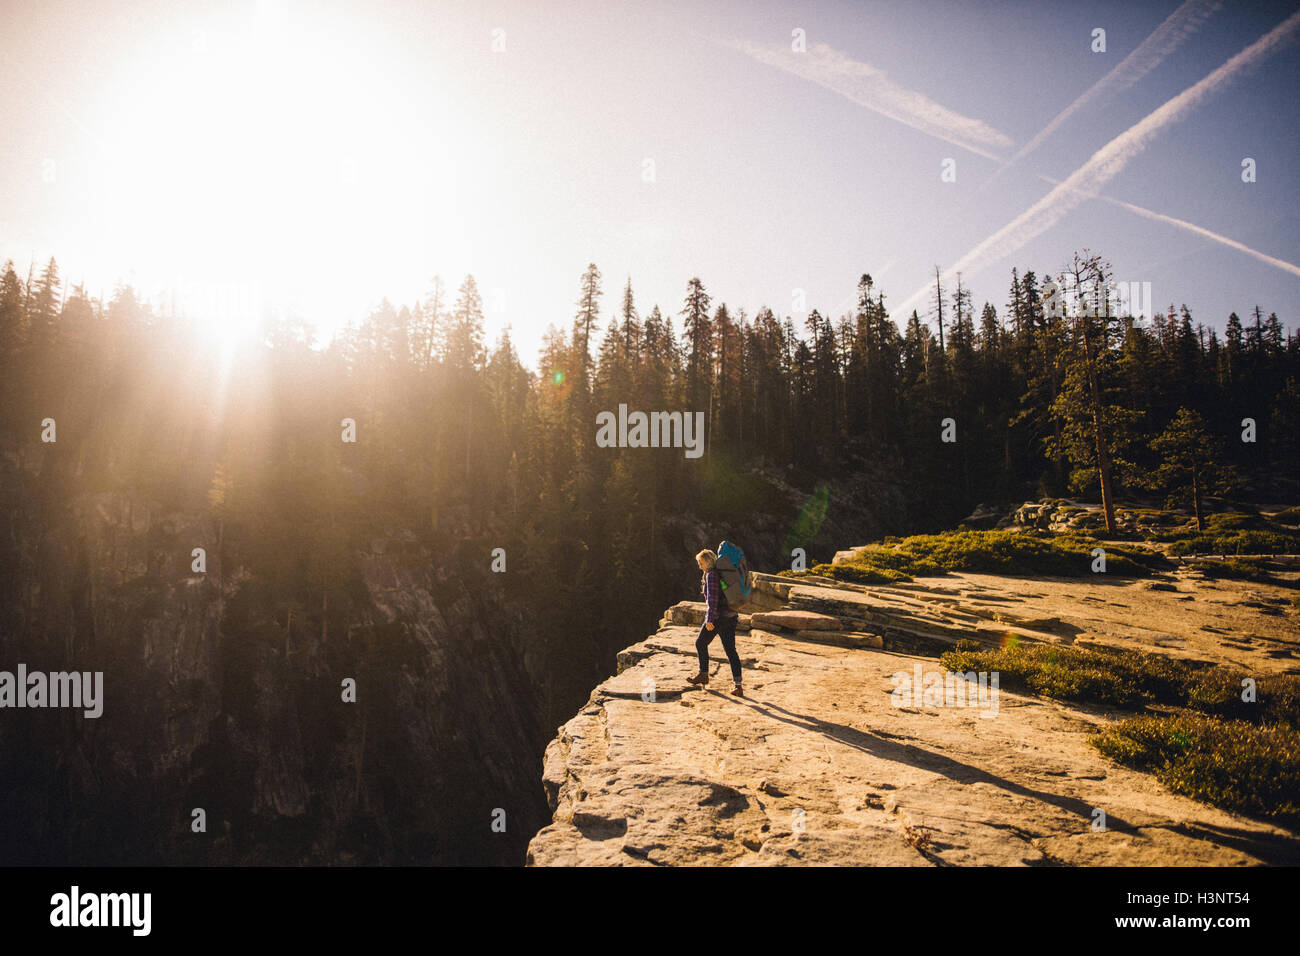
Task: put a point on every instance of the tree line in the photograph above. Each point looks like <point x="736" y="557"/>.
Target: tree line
<point x="1057" y="391"/>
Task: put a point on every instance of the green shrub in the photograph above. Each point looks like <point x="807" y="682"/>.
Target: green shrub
<point x="1162" y="518"/>
<point x="1238" y="542"/>
<point x="1216" y="691"/>
<point x="1227" y="752"/>
<point x="1233" y="532"/>
<point x="1231" y="764"/>
<point x="1235" y="521"/>
<point x="998" y="552"/>
<point x="1105" y="676"/>
<point x="860" y="574"/>
<point x="1239" y="569"/>
<point x="1132" y="679"/>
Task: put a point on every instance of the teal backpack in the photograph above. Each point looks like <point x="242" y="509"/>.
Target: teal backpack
<point x="733" y="571"/>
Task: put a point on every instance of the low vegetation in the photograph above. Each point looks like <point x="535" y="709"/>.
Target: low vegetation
<point x="1240" y="569"/>
<point x="1233" y="764"/>
<point x="1200" y="738"/>
<point x="1014" y="553"/>
<point x="1131" y="679"/>
<point x="1230" y="532"/>
<point x="1226" y="532"/>
<point x="1238" y="542"/>
<point x="1192" y="727"/>
<point x="857" y="573"/>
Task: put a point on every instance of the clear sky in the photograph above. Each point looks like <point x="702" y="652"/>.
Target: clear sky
<point x="319" y="156"/>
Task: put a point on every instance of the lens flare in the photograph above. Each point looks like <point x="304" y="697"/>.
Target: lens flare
<point x="810" y="518"/>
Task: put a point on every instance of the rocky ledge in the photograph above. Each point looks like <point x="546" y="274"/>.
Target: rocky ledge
<point x="816" y="765"/>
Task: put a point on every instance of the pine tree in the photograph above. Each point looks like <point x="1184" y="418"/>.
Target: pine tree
<point x="586" y="319"/>
<point x="729" y="360"/>
<point x="1255" y="340"/>
<point x="961" y="341"/>
<point x="12" y="335"/>
<point x="631" y="329"/>
<point x="938" y="306"/>
<point x="660" y="360"/>
<point x="1273" y="335"/>
<point x="916" y="352"/>
<point x="465" y="351"/>
<point x="1016" y="308"/>
<point x="507" y="383"/>
<point x="698" y="341"/>
<point x="43" y="310"/>
<point x="611" y="369"/>
<point x="990" y="334"/>
<point x="428" y="340"/>
<point x="1232" y="352"/>
<point x="1192" y="462"/>
<point x="1095" y="427"/>
<point x="465" y="358"/>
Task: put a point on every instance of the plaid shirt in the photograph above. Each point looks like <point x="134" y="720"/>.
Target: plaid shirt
<point x="712" y="588"/>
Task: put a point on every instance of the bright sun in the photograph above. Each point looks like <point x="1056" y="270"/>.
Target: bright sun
<point x="258" y="162"/>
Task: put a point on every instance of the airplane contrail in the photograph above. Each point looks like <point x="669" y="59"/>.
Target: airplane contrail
<point x="1192" y="227"/>
<point x="869" y="86"/>
<point x="1108" y="161"/>
<point x="1164" y="40"/>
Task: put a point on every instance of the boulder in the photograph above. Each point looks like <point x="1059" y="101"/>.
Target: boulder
<point x="691" y="614"/>
<point x="983" y="517"/>
<point x="796" y="621"/>
<point x="686" y="613"/>
<point x="841" y="638"/>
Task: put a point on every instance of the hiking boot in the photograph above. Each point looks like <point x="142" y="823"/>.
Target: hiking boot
<point x="701" y="679"/>
<point x="736" y="689"/>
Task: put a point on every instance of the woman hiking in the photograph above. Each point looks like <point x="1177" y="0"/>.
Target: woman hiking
<point x="719" y="619"/>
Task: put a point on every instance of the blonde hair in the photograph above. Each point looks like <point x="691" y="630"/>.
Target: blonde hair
<point x="710" y="558"/>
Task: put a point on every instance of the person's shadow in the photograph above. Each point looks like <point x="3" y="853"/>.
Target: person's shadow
<point x="866" y="742"/>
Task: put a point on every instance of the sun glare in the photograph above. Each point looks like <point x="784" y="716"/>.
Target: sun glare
<point x="259" y="165"/>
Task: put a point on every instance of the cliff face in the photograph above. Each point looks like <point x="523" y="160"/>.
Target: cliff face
<point x="213" y="703"/>
<point x="816" y="764"/>
<point x="223" y="693"/>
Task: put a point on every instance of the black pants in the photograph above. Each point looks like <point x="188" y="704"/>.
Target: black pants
<point x="724" y="627"/>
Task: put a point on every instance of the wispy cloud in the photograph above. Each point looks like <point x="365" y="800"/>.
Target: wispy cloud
<point x="1192" y="227"/>
<point x="1164" y="40"/>
<point x="869" y="86"/>
<point x="1108" y="161"/>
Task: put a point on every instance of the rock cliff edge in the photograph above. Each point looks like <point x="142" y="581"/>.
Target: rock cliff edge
<point x="817" y="765"/>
